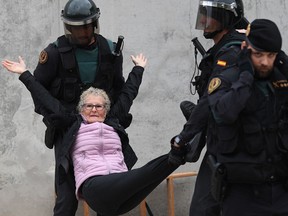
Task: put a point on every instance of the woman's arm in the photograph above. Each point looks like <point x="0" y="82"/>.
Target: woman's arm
<point x="48" y="104"/>
<point x="130" y="88"/>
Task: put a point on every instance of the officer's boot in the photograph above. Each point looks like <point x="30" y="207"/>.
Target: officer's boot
<point x="194" y="147"/>
<point x="187" y="108"/>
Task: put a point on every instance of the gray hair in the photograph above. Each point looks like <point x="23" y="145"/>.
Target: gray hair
<point x="95" y="92"/>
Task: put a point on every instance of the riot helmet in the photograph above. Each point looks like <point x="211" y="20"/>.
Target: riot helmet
<point x="77" y="15"/>
<point x="227" y="12"/>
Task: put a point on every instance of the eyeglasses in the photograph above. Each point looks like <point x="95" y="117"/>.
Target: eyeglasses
<point x="89" y="107"/>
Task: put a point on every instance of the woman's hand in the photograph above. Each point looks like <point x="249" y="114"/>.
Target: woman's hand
<point x="139" y="60"/>
<point x="15" y="67"/>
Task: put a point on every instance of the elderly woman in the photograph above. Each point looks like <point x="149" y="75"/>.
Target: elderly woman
<point x="98" y="145"/>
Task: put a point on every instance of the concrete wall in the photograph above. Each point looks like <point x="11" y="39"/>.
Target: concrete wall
<point x="162" y="30"/>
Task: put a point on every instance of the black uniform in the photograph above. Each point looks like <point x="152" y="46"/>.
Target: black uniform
<point x="248" y="135"/>
<point x="221" y="56"/>
<point x="60" y="70"/>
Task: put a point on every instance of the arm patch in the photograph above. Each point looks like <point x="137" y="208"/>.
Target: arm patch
<point x="213" y="85"/>
<point x="43" y="57"/>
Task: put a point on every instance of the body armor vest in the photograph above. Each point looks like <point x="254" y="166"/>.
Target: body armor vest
<point x="70" y="85"/>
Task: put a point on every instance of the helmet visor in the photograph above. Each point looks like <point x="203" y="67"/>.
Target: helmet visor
<point x="81" y="35"/>
<point x="209" y="11"/>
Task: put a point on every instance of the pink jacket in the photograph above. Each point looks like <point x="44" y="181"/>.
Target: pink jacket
<point x="97" y="151"/>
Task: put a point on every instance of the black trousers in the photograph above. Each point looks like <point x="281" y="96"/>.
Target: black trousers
<point x="203" y="203"/>
<point x="118" y="193"/>
<point x="269" y="199"/>
<point x="66" y="203"/>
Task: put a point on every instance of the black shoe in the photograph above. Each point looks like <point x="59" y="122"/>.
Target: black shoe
<point x="187" y="108"/>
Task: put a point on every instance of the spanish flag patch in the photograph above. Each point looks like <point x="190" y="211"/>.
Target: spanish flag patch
<point x="221" y="63"/>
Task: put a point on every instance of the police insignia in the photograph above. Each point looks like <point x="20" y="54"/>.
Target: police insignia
<point x="280" y="84"/>
<point x="43" y="57"/>
<point x="214" y="84"/>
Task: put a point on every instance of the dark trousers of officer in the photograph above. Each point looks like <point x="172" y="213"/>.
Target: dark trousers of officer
<point x="203" y="204"/>
<point x="66" y="203"/>
<point x="118" y="193"/>
<point x="268" y="199"/>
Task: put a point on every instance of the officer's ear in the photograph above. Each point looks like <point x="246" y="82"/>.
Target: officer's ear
<point x="243" y="45"/>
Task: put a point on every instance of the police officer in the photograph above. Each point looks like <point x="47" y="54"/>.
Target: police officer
<point x="218" y="19"/>
<point x="75" y="61"/>
<point x="248" y="126"/>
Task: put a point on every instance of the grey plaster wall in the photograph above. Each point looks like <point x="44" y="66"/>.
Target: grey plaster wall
<point x="162" y="30"/>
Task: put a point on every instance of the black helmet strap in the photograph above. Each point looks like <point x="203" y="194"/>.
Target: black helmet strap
<point x="211" y="35"/>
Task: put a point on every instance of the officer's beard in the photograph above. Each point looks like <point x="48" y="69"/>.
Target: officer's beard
<point x="88" y="46"/>
<point x="263" y="75"/>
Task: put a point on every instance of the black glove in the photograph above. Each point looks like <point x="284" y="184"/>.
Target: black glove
<point x="244" y="61"/>
<point x="125" y="120"/>
<point x="281" y="58"/>
<point x="177" y="153"/>
<point x="60" y="120"/>
<point x="281" y="62"/>
<point x="176" y="156"/>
